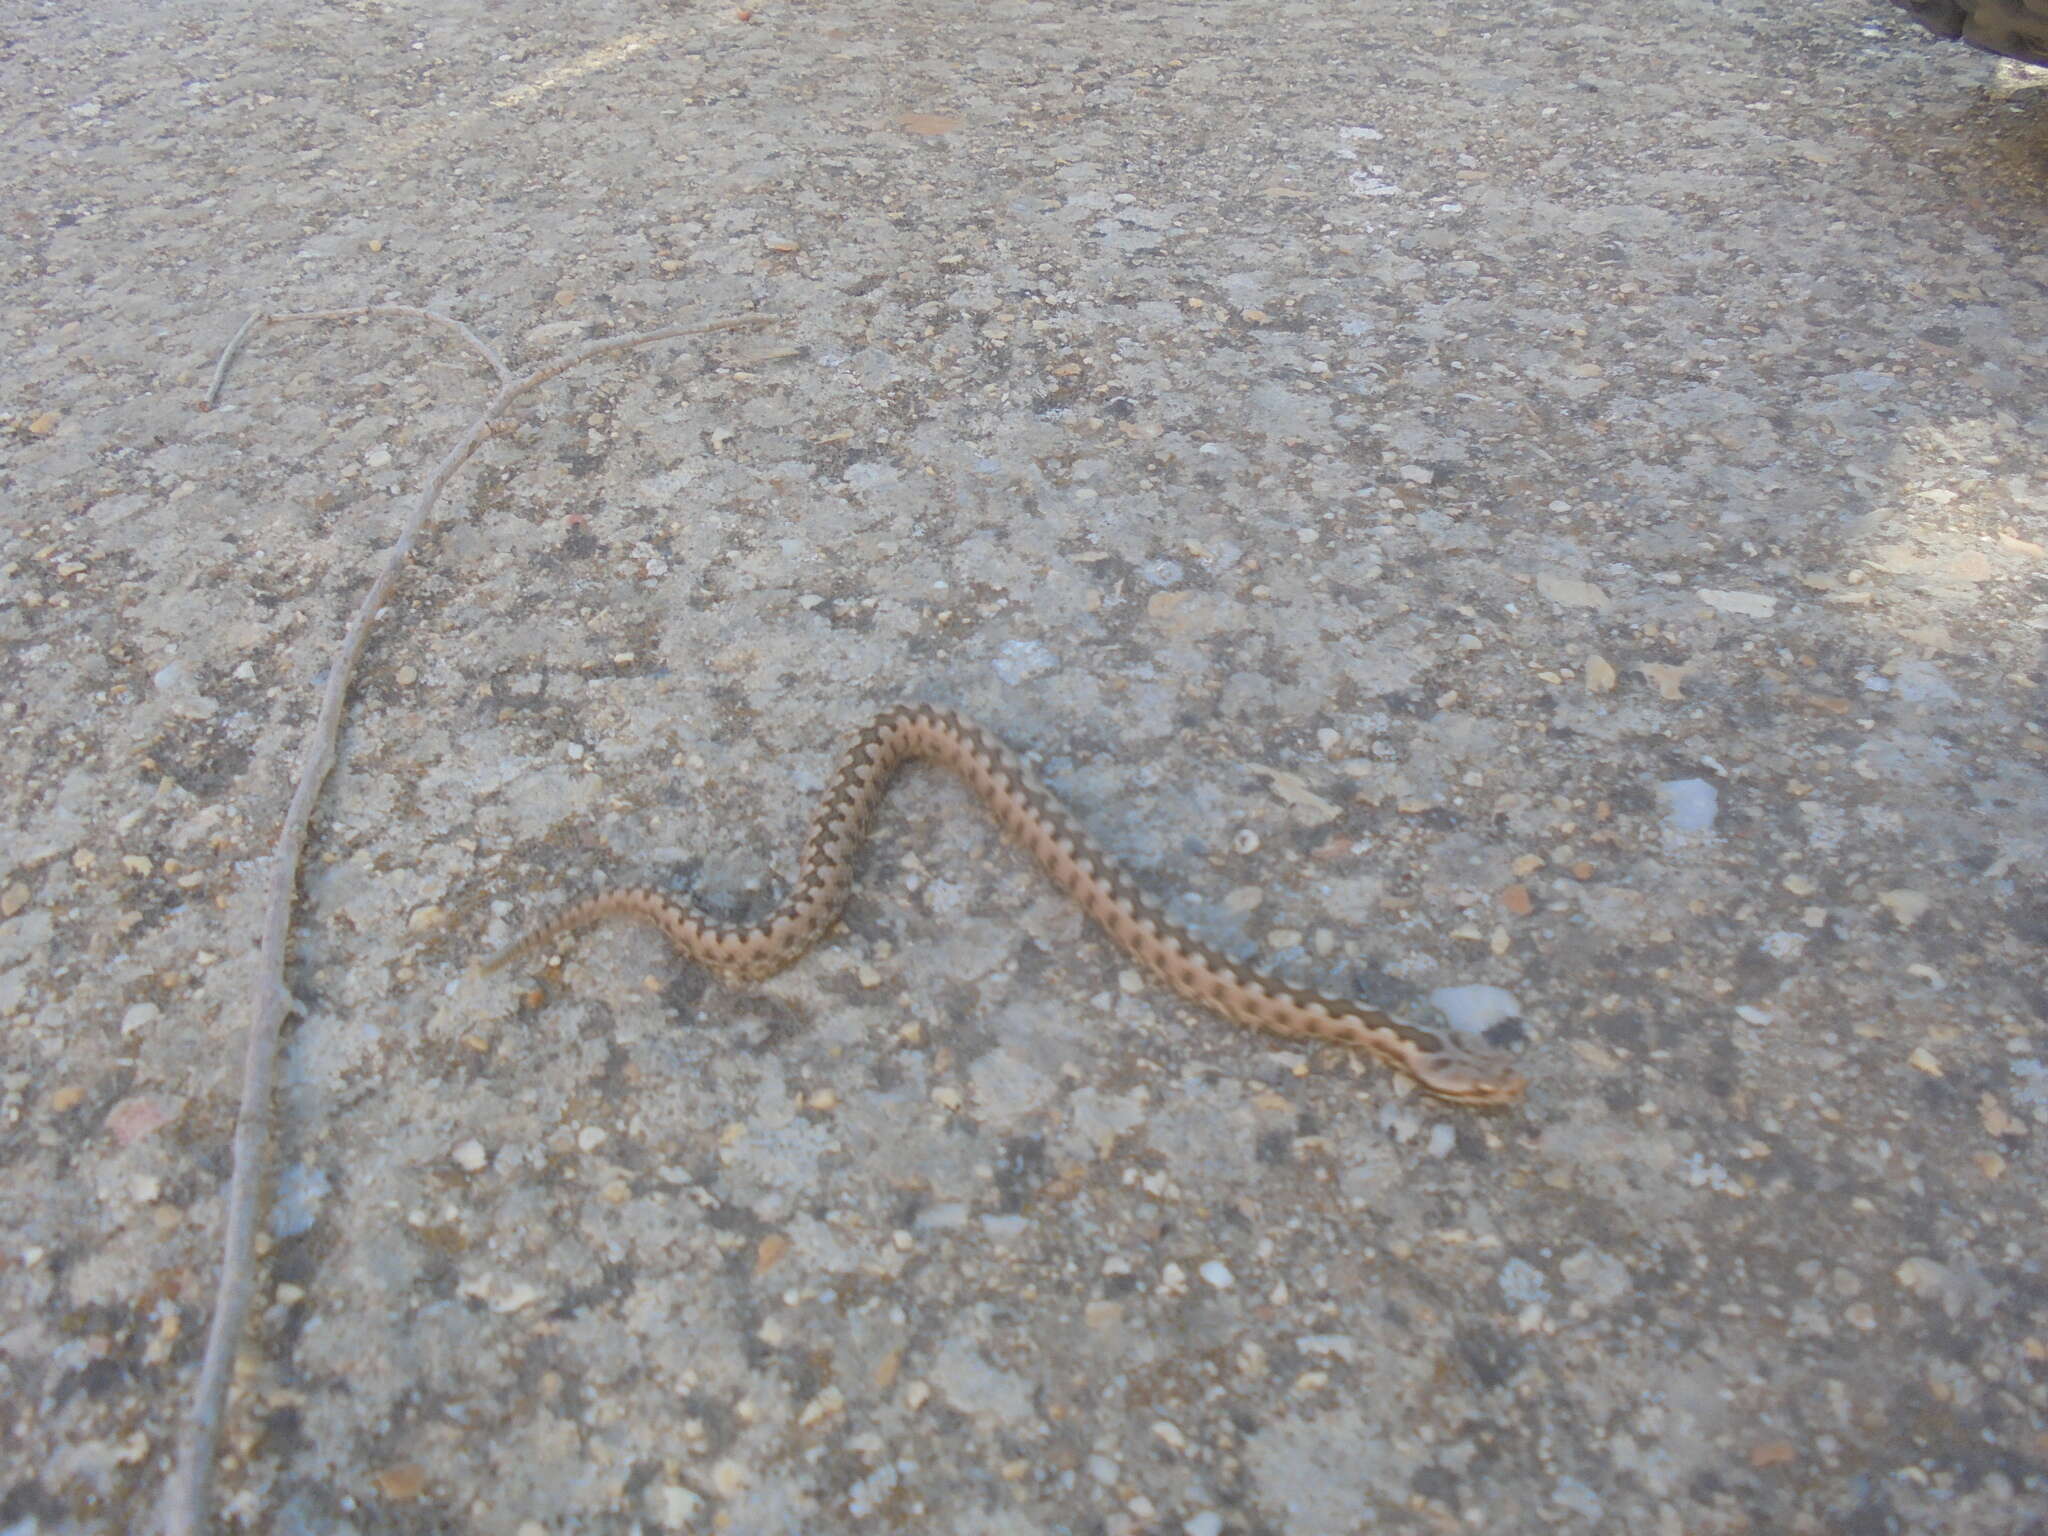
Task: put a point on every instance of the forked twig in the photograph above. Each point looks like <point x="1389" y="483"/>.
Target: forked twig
<point x="190" y="1491"/>
<point x="412" y="311"/>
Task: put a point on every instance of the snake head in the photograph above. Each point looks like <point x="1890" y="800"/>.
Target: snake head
<point x="1459" y="1072"/>
<point x="1462" y="1075"/>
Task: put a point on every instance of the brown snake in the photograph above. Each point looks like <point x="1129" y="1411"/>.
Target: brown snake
<point x="1031" y="814"/>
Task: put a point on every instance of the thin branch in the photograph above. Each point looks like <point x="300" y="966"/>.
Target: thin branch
<point x="227" y="356"/>
<point x="190" y="1493"/>
<point x="412" y="311"/>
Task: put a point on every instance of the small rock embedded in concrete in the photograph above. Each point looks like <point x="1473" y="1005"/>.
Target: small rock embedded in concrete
<point x="1690" y="805"/>
<point x="1906" y="907"/>
<point x="1474" y="1008"/>
<point x="1783" y="945"/>
<point x="1754" y="605"/>
<point x="1569" y="592"/>
<point x="1019" y="661"/>
<point x="300" y="1190"/>
<point x="1523" y="1284"/>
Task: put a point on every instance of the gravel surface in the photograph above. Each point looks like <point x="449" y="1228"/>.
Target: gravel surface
<point x="1536" y="512"/>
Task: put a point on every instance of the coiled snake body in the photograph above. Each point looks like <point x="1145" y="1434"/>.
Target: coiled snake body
<point x="1034" y="817"/>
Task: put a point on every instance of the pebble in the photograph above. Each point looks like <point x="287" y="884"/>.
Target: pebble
<point x="729" y="1479"/>
<point x="138" y="1117"/>
<point x="1569" y="1493"/>
<point x="1995" y="1119"/>
<point x="1523" y="1283"/>
<point x="1475" y="1008"/>
<point x="1019" y="661"/>
<point x="1309" y="807"/>
<point x="1669" y="681"/>
<point x="1339" y="1346"/>
<point x="1755" y="605"/>
<point x="400" y="1484"/>
<point x="1567" y="592"/>
<point x="301" y="1189"/>
<point x="1218" y="1275"/>
<point x="1906" y="907"/>
<point x="675" y="1507"/>
<point x="1690" y="805"/>
<point x="829" y="1403"/>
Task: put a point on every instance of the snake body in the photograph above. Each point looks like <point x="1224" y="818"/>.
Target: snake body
<point x="1032" y="815"/>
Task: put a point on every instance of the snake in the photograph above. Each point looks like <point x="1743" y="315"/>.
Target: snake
<point x="1034" y="817"/>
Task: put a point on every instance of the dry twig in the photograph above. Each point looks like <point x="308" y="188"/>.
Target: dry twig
<point x="190" y="1492"/>
<point x="299" y="316"/>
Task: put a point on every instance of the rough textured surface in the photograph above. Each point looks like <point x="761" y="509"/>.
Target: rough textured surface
<point x="1537" y="506"/>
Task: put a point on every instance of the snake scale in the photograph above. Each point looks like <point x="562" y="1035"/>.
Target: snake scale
<point x="1032" y="815"/>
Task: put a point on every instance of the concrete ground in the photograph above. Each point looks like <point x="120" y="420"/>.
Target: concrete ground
<point x="1537" y="510"/>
